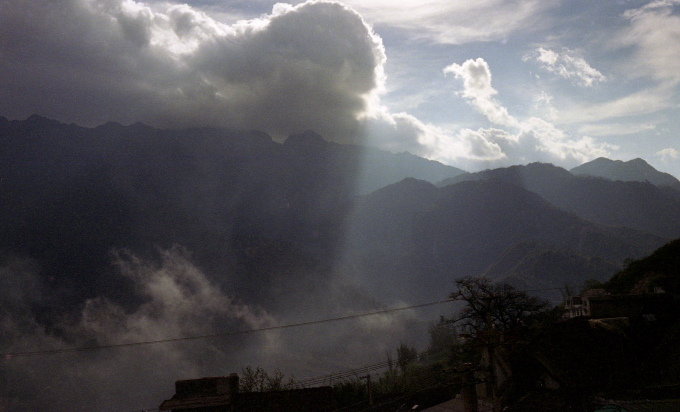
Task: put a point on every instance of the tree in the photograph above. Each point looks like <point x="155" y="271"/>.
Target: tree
<point x="490" y="308"/>
<point x="259" y="380"/>
<point x="491" y="305"/>
<point x="443" y="336"/>
<point x="406" y="355"/>
<point x="443" y="342"/>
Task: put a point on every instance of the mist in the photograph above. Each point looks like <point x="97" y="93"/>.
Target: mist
<point x="176" y="300"/>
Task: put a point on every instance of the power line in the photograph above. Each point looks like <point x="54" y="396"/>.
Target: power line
<point x="338" y="376"/>
<point x="242" y="332"/>
<point x="216" y="335"/>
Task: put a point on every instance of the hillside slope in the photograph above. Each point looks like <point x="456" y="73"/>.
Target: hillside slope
<point x="424" y="238"/>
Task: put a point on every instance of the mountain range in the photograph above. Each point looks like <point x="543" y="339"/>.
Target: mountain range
<point x="397" y="226"/>
<point x="119" y="234"/>
<point x="633" y="204"/>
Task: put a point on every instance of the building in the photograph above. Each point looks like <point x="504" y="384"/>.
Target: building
<point x="221" y="394"/>
<point x="596" y="304"/>
<point x="576" y="306"/>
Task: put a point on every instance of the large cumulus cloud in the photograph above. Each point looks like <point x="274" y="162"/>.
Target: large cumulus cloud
<point x="90" y="61"/>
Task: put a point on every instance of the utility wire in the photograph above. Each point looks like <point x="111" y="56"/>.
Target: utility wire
<point x="343" y="375"/>
<point x="216" y="335"/>
<point x="349" y="373"/>
<point x="242" y="332"/>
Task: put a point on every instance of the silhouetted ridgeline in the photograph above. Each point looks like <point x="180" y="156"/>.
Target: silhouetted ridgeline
<point x="261" y="211"/>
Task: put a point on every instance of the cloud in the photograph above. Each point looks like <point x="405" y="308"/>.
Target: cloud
<point x="509" y="141"/>
<point x="533" y="138"/>
<point x="477" y="88"/>
<point x="486" y="144"/>
<point x="645" y="101"/>
<point x="610" y="129"/>
<point x="543" y="105"/>
<point x="649" y="44"/>
<point x="655" y="5"/>
<point x="566" y="64"/>
<point x="669" y="154"/>
<point x="314" y="65"/>
<point x="178" y="298"/>
<point x="554" y="145"/>
<point x="654" y="33"/>
<point x="458" y="22"/>
<point x="401" y="132"/>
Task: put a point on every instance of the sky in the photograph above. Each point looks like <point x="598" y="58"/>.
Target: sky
<point x="475" y="85"/>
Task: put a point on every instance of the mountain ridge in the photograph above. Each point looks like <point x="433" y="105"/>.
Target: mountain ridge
<point x="70" y="195"/>
<point x="635" y="170"/>
<point x="613" y="203"/>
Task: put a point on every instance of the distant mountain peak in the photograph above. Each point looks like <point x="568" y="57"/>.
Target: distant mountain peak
<point x="308" y="138"/>
<point x="38" y="120"/>
<point x="517" y="174"/>
<point x="409" y="184"/>
<point x="36" y="117"/>
<point x="111" y="126"/>
<point x="610" y="162"/>
<point x="635" y="170"/>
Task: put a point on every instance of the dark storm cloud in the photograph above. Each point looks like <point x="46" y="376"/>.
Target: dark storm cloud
<point x="86" y="61"/>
